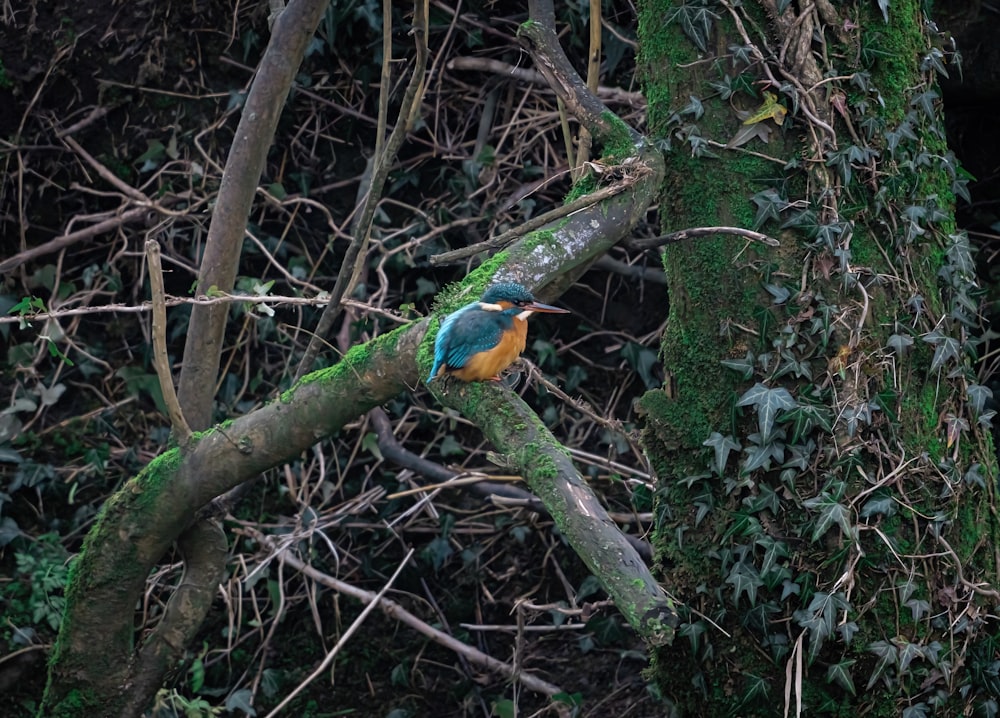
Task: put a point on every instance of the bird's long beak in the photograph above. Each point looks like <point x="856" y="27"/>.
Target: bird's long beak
<point x="545" y="308"/>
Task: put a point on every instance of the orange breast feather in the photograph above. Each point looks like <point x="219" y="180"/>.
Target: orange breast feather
<point x="488" y="364"/>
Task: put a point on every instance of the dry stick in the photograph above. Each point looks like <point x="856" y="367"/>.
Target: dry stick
<point x="593" y="77"/>
<point x="355" y="255"/>
<point x="682" y="235"/>
<point x="172" y="301"/>
<point x="394" y="610"/>
<point x="204" y="342"/>
<point x="375" y="601"/>
<point x="106" y="174"/>
<point x="541" y="220"/>
<point x="54" y="245"/>
<point x="160" y="360"/>
<point x="525" y="74"/>
<point x="393" y="451"/>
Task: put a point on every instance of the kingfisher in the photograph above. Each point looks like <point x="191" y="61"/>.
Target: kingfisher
<point x="483" y="338"/>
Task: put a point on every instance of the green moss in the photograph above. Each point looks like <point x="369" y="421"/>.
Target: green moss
<point x="540" y="238"/>
<point x="893" y="51"/>
<point x="618" y="144"/>
<point x="74" y="704"/>
<point x="583" y="186"/>
<point x="354" y="361"/>
<point x="920" y="414"/>
<point x="455" y="296"/>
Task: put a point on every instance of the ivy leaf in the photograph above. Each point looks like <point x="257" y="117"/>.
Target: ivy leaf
<point x="899" y="343"/>
<point x="770" y="109"/>
<point x="744" y="579"/>
<point x="886" y="653"/>
<point x="831" y="512"/>
<point x="694" y="108"/>
<point x="760" y="457"/>
<point x="693" y="632"/>
<point x="819" y="618"/>
<point x="722" y="445"/>
<point x="960" y="255"/>
<point x="743" y="366"/>
<point x="696" y="22"/>
<point x="840" y="674"/>
<point x="767" y="402"/>
<point x="847" y="631"/>
<point x="883" y="5"/>
<point x="780" y="294"/>
<point x="806" y="417"/>
<point x="945" y="348"/>
<point x="241" y="700"/>
<point x="769" y="204"/>
<point x="918" y="608"/>
<point x="907" y="655"/>
<point x="956" y="425"/>
<point x="774" y="550"/>
<point x="879" y="505"/>
<point x="974" y="476"/>
<point x="925" y="101"/>
<point x="766" y="499"/>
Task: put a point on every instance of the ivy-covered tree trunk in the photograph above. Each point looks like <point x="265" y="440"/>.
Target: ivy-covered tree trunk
<point x="827" y="510"/>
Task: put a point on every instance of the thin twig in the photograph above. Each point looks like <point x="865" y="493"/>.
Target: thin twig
<point x="394" y="610"/>
<point x="61" y="242"/>
<point x="682" y="235"/>
<point x="526" y="74"/>
<point x="355" y="256"/>
<point x="160" y="360"/>
<point x="344" y="638"/>
<point x="172" y="301"/>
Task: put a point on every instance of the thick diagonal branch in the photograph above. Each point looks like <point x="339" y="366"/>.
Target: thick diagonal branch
<point x="517" y="433"/>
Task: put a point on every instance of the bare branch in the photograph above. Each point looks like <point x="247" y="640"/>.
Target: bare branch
<point x="292" y="32"/>
<point x="588" y="200"/>
<point x="683" y="235"/>
<point x="394" y="610"/>
<point x="516" y="432"/>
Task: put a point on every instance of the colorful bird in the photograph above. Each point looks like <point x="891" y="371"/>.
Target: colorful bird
<point x="483" y="338"/>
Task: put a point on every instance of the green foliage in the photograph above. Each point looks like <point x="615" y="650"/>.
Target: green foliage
<point x="32" y="600"/>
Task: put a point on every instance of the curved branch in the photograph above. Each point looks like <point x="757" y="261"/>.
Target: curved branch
<point x="539" y="35"/>
<point x="563" y="253"/>
<point x="138" y="524"/>
<point x="204" y="548"/>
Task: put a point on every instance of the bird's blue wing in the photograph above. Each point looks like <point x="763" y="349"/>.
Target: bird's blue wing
<point x="463" y="334"/>
<point x="478" y="331"/>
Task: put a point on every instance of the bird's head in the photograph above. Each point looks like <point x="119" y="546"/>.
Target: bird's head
<point x="507" y="296"/>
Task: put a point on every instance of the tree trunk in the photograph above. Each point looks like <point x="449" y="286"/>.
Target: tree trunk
<point x="827" y="513"/>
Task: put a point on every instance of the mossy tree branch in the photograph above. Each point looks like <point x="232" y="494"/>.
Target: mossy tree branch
<point x="93" y="668"/>
<point x="93" y="659"/>
<point x="516" y="432"/>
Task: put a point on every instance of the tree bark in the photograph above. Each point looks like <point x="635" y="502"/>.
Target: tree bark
<point x="828" y="511"/>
